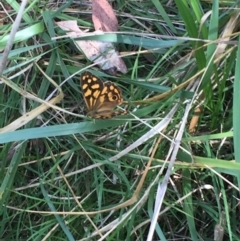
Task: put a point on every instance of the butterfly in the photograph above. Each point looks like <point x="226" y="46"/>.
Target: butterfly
<point x="100" y="97"/>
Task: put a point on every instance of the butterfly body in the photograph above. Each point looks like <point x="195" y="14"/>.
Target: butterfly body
<point x="100" y="97"/>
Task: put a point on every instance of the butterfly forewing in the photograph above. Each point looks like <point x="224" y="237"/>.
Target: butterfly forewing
<point x="91" y="87"/>
<point x="100" y="97"/>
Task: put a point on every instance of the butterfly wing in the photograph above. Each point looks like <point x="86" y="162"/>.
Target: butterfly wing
<point x="92" y="88"/>
<point x="110" y="97"/>
<point x="100" y="97"/>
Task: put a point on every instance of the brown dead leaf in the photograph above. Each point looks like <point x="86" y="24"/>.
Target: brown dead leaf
<point x="194" y="120"/>
<point x="227" y="32"/>
<point x="103" y="16"/>
<point x="101" y="53"/>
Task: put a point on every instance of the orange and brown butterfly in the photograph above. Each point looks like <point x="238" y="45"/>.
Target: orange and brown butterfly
<point x="101" y="97"/>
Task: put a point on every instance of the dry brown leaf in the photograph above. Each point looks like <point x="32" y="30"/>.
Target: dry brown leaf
<point x="101" y="53"/>
<point x="194" y="120"/>
<point x="103" y="16"/>
<point x="226" y="34"/>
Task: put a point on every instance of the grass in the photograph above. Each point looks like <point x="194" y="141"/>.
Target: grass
<point x="169" y="170"/>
